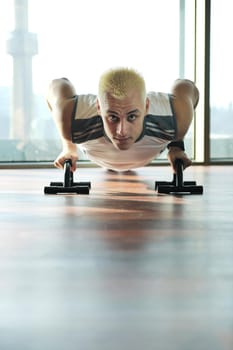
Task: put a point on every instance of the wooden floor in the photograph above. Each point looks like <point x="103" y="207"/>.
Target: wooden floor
<point x="119" y="269"/>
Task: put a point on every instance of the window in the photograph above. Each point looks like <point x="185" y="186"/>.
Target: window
<point x="78" y="41"/>
<point x="221" y="96"/>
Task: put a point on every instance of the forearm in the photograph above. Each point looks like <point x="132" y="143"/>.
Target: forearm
<point x="62" y="120"/>
<point x="60" y="99"/>
<point x="69" y="149"/>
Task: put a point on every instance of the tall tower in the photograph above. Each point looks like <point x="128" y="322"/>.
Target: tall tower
<point x="22" y="46"/>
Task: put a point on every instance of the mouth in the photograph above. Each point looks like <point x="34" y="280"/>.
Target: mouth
<point x="122" y="139"/>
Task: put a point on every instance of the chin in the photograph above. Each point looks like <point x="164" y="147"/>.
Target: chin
<point x="122" y="145"/>
<point x="123" y="148"/>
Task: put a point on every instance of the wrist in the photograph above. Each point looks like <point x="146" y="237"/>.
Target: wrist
<point x="176" y="144"/>
<point x="68" y="145"/>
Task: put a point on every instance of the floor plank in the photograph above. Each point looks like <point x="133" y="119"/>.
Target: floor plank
<point x="120" y="268"/>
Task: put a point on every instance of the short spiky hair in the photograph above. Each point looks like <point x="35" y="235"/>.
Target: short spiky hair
<point x="118" y="81"/>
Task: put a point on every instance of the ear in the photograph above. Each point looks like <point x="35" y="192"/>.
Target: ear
<point x="147" y="104"/>
<point x="98" y="105"/>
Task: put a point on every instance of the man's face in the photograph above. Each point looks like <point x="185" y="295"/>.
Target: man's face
<point x="123" y="118"/>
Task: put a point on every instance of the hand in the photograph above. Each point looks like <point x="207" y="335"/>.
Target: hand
<point x="71" y="154"/>
<point x="176" y="153"/>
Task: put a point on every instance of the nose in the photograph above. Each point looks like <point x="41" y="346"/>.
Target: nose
<point x="122" y="128"/>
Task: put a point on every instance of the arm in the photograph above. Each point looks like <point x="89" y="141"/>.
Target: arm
<point x="186" y="96"/>
<point x="61" y="103"/>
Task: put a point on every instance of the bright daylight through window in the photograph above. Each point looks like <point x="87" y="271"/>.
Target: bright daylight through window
<point x="80" y="45"/>
<point x="221" y="73"/>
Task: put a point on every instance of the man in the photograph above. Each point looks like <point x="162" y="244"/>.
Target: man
<point x="124" y="127"/>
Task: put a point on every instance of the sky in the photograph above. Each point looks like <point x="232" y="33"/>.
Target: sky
<point x="80" y="39"/>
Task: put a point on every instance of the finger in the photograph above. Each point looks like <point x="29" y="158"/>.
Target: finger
<point x="73" y="167"/>
<point x="187" y="163"/>
<point x="58" y="164"/>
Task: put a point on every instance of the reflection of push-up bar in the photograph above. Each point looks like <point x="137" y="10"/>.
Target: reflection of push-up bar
<point x="68" y="186"/>
<point x="177" y="186"/>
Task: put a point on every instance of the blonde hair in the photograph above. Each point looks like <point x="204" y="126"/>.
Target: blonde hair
<point x="119" y="81"/>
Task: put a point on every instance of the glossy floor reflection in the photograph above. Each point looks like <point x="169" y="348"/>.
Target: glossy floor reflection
<point x="120" y="268"/>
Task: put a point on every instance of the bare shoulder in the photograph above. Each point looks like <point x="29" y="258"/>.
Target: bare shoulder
<point x="185" y="89"/>
<point x="60" y="94"/>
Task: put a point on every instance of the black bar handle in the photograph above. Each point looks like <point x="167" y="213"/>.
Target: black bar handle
<point x="179" y="172"/>
<point x="68" y="174"/>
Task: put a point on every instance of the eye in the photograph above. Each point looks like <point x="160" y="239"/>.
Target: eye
<point x="113" y="118"/>
<point x="131" y="117"/>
